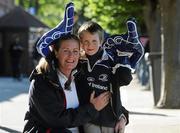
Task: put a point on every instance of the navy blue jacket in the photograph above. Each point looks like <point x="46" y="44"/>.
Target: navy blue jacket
<point x="98" y="73"/>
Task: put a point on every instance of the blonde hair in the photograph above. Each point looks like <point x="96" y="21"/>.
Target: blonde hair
<point x="43" y="66"/>
<point x="91" y="27"/>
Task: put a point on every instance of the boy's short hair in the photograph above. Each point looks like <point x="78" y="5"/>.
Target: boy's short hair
<point x="91" y="27"/>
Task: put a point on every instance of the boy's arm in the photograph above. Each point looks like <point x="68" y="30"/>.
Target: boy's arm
<point x="123" y="76"/>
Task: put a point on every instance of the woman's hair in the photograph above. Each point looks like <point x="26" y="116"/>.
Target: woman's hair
<point x="57" y="43"/>
<point x="51" y="61"/>
<point x="91" y="27"/>
<point x="42" y="66"/>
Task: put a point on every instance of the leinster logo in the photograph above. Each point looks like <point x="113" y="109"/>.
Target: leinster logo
<point x="103" y="77"/>
<point x="91" y="79"/>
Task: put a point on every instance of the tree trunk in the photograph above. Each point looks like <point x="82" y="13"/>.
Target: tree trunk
<point x="170" y="81"/>
<point x="153" y="21"/>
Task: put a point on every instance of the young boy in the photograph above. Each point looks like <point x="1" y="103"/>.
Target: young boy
<point x="98" y="73"/>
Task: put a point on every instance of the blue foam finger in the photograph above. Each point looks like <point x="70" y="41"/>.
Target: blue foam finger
<point x="125" y="49"/>
<point x="64" y="27"/>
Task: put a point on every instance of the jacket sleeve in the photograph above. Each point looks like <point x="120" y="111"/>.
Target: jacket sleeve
<point x="126" y="114"/>
<point x="123" y="76"/>
<point x="49" y="105"/>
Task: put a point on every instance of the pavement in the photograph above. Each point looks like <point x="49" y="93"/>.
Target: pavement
<point x="144" y="117"/>
<point x="13" y="104"/>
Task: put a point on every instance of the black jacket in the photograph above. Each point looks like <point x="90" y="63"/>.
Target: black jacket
<point x="100" y="74"/>
<point x="47" y="111"/>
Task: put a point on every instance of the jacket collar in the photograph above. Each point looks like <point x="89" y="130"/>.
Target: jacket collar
<point x="105" y="56"/>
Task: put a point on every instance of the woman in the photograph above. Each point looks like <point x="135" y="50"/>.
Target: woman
<point x="54" y="102"/>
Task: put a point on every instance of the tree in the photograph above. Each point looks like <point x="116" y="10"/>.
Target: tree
<point x="112" y="14"/>
<point x="153" y="22"/>
<point x="170" y="83"/>
<point x="48" y="11"/>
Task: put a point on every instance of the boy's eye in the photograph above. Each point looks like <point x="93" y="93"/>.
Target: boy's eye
<point x="95" y="42"/>
<point x="86" y="43"/>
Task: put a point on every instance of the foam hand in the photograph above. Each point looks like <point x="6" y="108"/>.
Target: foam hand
<point x="125" y="49"/>
<point x="64" y="27"/>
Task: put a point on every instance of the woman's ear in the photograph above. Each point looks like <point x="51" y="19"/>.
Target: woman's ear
<point x="56" y="53"/>
<point x="53" y="49"/>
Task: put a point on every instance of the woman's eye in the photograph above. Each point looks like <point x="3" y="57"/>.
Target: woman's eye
<point x="76" y="52"/>
<point x="66" y="51"/>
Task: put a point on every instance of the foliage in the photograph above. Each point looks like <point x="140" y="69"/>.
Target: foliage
<point x="110" y="14"/>
<point x="49" y="11"/>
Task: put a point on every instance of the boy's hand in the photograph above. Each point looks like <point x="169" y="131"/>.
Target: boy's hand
<point x="120" y="126"/>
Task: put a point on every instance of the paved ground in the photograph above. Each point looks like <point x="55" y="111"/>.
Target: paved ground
<point x="13" y="104"/>
<point x="144" y="118"/>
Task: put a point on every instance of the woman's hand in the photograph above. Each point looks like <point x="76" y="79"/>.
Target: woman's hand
<point x="100" y="101"/>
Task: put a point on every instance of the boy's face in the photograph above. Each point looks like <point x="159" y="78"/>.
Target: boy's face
<point x="90" y="43"/>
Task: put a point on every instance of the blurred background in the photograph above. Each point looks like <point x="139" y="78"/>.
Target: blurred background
<point x="22" y="22"/>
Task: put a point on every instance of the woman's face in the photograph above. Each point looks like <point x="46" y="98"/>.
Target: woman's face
<point x="68" y="55"/>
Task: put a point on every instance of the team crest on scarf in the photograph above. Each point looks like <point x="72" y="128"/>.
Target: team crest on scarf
<point x="64" y="27"/>
<point x="125" y="49"/>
